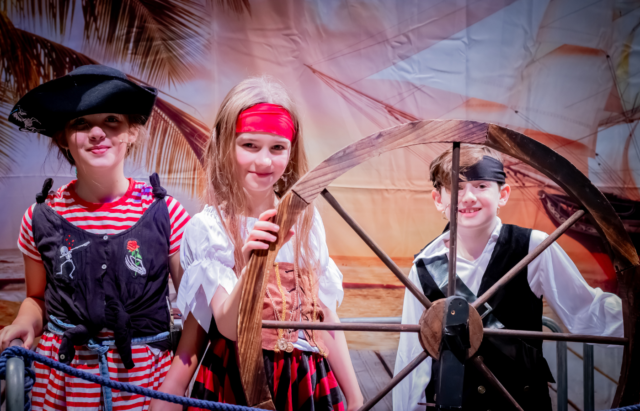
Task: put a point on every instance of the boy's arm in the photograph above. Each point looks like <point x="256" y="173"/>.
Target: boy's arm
<point x="409" y="394"/>
<point x="582" y="309"/>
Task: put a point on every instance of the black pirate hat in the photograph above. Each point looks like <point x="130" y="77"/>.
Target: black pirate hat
<point x="86" y="90"/>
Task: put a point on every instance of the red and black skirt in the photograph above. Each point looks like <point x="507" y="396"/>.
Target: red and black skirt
<point x="298" y="381"/>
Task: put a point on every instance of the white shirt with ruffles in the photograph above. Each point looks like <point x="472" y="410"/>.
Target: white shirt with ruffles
<point x="582" y="309"/>
<point x="206" y="255"/>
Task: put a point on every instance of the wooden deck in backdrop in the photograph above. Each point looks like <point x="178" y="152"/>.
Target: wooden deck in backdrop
<point x="374" y="370"/>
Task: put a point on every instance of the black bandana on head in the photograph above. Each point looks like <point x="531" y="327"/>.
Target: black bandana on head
<point x="487" y="169"/>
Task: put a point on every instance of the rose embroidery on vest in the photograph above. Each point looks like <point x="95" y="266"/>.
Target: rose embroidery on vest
<point x="133" y="259"/>
<point x="67" y="266"/>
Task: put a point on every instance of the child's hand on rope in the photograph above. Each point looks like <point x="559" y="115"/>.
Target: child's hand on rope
<point x="263" y="233"/>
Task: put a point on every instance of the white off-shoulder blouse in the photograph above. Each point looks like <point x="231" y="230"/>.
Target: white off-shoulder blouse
<point x="206" y="255"/>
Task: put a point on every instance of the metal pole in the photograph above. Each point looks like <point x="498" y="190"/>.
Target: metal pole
<point x="352" y="326"/>
<point x="561" y="364"/>
<point x="372" y="320"/>
<point x="587" y="368"/>
<point x="453" y="219"/>
<point x="15" y="381"/>
<point x="563" y="383"/>
<point x="539" y="335"/>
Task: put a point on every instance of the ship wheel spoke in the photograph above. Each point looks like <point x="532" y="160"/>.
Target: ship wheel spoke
<point x="376" y="249"/>
<point x="304" y="325"/>
<point x="453" y="219"/>
<point x="539" y="335"/>
<point x="530" y="257"/>
<point x="395" y="380"/>
<point x="480" y="366"/>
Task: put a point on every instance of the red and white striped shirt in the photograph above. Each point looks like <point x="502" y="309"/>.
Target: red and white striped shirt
<point x="104" y="218"/>
<point x="56" y="391"/>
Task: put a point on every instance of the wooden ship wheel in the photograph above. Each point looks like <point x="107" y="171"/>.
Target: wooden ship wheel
<point x="593" y="206"/>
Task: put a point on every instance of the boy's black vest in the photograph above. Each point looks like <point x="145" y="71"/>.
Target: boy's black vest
<point x="517" y="363"/>
<point x="119" y="281"/>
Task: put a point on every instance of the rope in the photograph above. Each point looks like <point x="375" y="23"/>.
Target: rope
<point x="30" y="356"/>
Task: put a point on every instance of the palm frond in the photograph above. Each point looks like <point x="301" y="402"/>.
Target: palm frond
<point x="28" y="60"/>
<point x="162" y="40"/>
<point x="176" y="139"/>
<point x="8" y="143"/>
<point x="175" y="147"/>
<point x="55" y="15"/>
<point x="236" y="6"/>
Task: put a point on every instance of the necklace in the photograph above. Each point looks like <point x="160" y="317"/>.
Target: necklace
<point x="283" y="344"/>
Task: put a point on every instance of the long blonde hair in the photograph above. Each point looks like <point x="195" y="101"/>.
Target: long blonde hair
<point x="225" y="192"/>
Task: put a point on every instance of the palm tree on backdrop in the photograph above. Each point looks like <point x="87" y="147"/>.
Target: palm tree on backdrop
<point x="162" y="41"/>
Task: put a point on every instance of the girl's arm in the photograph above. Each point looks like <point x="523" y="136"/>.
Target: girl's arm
<point x="29" y="321"/>
<point x="225" y="306"/>
<point x="225" y="309"/>
<point x="175" y="269"/>
<point x="340" y="361"/>
<point x="190" y="349"/>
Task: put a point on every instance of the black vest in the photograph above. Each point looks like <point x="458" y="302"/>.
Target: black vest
<point x="115" y="281"/>
<point x="517" y="363"/>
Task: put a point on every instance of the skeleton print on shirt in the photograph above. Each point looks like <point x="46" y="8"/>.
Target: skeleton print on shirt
<point x="67" y="266"/>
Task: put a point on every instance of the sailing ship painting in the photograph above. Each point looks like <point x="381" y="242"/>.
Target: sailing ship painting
<point x="556" y="82"/>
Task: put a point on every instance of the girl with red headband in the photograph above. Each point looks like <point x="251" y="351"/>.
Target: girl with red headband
<point x="255" y="155"/>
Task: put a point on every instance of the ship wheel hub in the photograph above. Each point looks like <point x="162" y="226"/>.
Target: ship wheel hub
<point x="431" y="329"/>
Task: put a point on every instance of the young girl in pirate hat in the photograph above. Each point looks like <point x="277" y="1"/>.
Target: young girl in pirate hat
<point x="98" y="251"/>
<point x="255" y="155"/>
<point x="487" y="250"/>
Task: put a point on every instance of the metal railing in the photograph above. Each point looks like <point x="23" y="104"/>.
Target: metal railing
<point x="561" y="366"/>
<point x="14" y="384"/>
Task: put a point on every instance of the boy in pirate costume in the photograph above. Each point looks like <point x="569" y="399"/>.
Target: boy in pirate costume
<point x="486" y="250"/>
<point x="98" y="251"/>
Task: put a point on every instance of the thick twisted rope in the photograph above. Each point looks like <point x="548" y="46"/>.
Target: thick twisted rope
<point x="134" y="389"/>
<point x="30" y="356"/>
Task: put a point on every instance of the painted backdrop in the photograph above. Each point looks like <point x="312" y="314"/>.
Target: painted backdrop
<point x="565" y="72"/>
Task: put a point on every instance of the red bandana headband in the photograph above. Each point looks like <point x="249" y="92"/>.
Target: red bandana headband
<point x="266" y="118"/>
